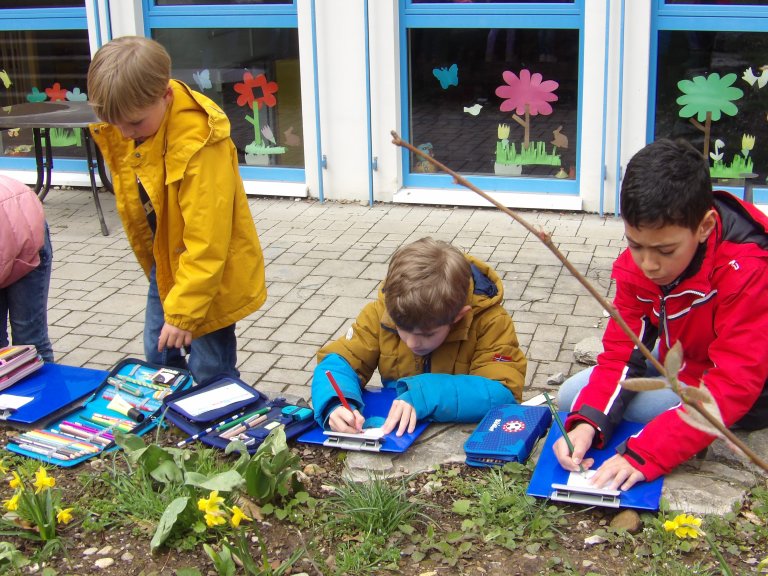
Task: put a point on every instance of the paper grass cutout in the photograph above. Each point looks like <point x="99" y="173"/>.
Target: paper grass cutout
<point x="5" y="79"/>
<point x="36" y="95"/>
<point x="291" y="139"/>
<point x="740" y="165"/>
<point x="447" y="76"/>
<point x="56" y="92"/>
<point x="203" y="79"/>
<point x="265" y="94"/>
<point x="708" y="98"/>
<point x="76" y="96"/>
<point x="473" y="110"/>
<point x="750" y="78"/>
<point x="530" y="95"/>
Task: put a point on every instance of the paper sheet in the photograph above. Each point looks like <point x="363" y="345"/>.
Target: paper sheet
<point x="577" y="480"/>
<point x="13" y="402"/>
<point x="196" y="404"/>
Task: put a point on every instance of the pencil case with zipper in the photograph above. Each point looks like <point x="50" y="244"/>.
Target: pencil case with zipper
<point x="190" y="412"/>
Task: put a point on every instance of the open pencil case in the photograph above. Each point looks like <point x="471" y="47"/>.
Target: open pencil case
<point x="129" y="399"/>
<point x="228" y="409"/>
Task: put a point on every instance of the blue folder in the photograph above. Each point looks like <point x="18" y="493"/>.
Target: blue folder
<point x="52" y="387"/>
<point x="643" y="495"/>
<point x="377" y="401"/>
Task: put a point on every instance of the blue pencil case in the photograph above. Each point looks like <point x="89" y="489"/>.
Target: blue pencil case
<point x="506" y="433"/>
<point x="208" y="414"/>
<point x="129" y="399"/>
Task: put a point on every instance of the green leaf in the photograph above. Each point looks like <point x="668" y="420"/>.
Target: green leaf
<point x="128" y="442"/>
<point x="224" y="482"/>
<point x="167" y="472"/>
<point x="168" y="521"/>
<point x="462" y="507"/>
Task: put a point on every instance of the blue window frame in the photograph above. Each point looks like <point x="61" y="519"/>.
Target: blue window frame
<point x="40" y="47"/>
<point x="457" y="100"/>
<point x="700" y="43"/>
<point x="228" y="41"/>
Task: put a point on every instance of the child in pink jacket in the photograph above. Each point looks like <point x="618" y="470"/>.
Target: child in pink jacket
<point x="25" y="268"/>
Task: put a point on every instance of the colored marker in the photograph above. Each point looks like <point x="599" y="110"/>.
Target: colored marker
<point x="210" y="429"/>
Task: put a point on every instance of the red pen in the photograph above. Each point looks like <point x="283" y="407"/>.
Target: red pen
<point x="339" y="393"/>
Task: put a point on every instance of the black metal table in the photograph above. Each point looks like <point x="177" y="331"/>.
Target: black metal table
<point x="41" y="117"/>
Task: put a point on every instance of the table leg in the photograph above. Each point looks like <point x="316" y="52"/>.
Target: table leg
<point x="38" y="159"/>
<point x="47" y="161"/>
<point x="92" y="164"/>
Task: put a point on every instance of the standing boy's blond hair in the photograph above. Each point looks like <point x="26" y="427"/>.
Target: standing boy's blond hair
<point x="427" y="284"/>
<point x="127" y="75"/>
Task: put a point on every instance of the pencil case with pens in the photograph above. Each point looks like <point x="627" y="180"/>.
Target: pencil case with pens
<point x="129" y="399"/>
<point x="229" y="409"/>
<point x="16" y="362"/>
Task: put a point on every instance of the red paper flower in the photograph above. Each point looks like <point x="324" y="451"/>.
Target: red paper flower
<point x="56" y="92"/>
<point x="246" y="91"/>
<point x="529" y="90"/>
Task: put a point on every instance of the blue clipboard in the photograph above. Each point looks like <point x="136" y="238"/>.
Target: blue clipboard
<point x="52" y="387"/>
<point x="377" y="401"/>
<point x="548" y="472"/>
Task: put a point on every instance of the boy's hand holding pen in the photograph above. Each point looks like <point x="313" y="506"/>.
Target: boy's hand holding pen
<point x="570" y="449"/>
<point x="344" y="418"/>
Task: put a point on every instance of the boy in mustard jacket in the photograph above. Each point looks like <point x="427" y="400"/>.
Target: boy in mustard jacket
<point x="438" y="334"/>
<point x="182" y="203"/>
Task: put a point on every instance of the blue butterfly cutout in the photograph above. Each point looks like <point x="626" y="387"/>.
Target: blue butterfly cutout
<point x="76" y="96"/>
<point x="447" y="76"/>
<point x="203" y="79"/>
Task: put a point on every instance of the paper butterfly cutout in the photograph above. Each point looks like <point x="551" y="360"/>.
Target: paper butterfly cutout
<point x="203" y="79"/>
<point x="5" y="79"/>
<point x="76" y="96"/>
<point x="36" y="96"/>
<point x="447" y="76"/>
<point x="13" y="132"/>
<point x="750" y="78"/>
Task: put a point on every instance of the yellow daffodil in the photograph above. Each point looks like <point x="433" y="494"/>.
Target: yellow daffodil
<point x="210" y="504"/>
<point x="503" y="131"/>
<point x="64" y="516"/>
<point x="214" y="518"/>
<point x="684" y="526"/>
<point x="12" y="504"/>
<point x="238" y="516"/>
<point x="15" y="482"/>
<point x="43" y="481"/>
<point x="747" y="143"/>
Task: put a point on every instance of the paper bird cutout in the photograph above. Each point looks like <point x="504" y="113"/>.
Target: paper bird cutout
<point x="291" y="139"/>
<point x="750" y="78"/>
<point x="5" y="79"/>
<point x="36" y="95"/>
<point x="447" y="76"/>
<point x="203" y="79"/>
<point x="266" y="131"/>
<point x="76" y="96"/>
<point x="473" y="110"/>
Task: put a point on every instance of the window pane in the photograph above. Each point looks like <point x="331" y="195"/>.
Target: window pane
<point x="237" y="68"/>
<point x="44" y="4"/>
<point x="209" y="2"/>
<point x="43" y="65"/>
<point x="735" y="2"/>
<point x="469" y="90"/>
<point x="723" y="74"/>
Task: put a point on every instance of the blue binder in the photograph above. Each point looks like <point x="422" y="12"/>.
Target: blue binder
<point x="377" y="401"/>
<point x="52" y="387"/>
<point x="643" y="495"/>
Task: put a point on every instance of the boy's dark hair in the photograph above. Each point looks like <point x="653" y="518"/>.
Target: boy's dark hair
<point x="666" y="183"/>
<point x="427" y="285"/>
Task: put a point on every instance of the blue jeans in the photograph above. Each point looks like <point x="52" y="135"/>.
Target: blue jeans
<point x="25" y="303"/>
<point x="211" y="355"/>
<point x="643" y="408"/>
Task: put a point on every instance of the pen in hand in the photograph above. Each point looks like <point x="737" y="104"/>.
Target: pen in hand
<point x="339" y="393"/>
<point x="560" y="425"/>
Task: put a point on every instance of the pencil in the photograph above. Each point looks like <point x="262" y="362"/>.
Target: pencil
<point x="339" y="393"/>
<point x="560" y="425"/>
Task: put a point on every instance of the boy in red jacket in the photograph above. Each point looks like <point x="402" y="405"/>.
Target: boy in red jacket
<point x="696" y="272"/>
